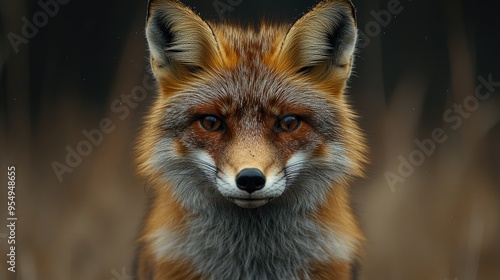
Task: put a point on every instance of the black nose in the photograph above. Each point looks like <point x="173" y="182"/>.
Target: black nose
<point x="250" y="180"/>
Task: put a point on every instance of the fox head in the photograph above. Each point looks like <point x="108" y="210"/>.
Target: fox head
<point x="251" y="117"/>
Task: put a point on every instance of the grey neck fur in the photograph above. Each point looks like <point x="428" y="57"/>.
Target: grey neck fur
<point x="263" y="243"/>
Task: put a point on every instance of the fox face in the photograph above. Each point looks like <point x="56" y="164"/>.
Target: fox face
<point x="251" y="117"/>
<point x="249" y="147"/>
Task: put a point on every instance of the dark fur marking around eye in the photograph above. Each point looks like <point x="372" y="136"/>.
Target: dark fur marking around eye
<point x="195" y="69"/>
<point x="305" y="70"/>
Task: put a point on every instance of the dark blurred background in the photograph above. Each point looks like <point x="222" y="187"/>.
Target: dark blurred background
<point x="67" y="67"/>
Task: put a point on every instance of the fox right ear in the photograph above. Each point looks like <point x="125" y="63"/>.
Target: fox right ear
<point x="322" y="42"/>
<point x="179" y="40"/>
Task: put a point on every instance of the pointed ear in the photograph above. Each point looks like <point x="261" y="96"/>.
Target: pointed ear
<point x="322" y="42"/>
<point x="179" y="40"/>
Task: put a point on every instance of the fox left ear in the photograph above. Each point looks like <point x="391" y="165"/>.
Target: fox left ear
<point x="180" y="42"/>
<point x="322" y="42"/>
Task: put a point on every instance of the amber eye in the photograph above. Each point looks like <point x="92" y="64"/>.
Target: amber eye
<point x="212" y="123"/>
<point x="288" y="124"/>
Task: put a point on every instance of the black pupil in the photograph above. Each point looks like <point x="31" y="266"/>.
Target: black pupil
<point x="211" y="123"/>
<point x="289" y="123"/>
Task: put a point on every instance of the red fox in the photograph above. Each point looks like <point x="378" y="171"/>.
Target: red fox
<point x="250" y="147"/>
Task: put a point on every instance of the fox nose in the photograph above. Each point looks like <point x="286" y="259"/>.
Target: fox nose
<point x="250" y="180"/>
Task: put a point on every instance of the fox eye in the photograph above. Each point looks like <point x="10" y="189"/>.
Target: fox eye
<point x="288" y="124"/>
<point x="212" y="123"/>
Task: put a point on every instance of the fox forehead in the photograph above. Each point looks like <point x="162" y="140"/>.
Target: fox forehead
<point x="249" y="44"/>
